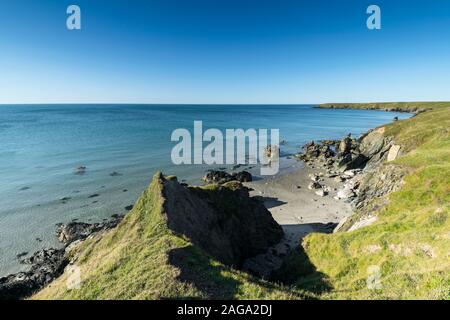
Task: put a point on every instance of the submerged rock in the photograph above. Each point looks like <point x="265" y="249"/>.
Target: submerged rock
<point x="80" y="170"/>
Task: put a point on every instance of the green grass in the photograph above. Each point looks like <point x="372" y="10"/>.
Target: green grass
<point x="133" y="261"/>
<point x="410" y="242"/>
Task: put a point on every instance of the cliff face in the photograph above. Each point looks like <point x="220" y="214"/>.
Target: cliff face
<point x="221" y="219"/>
<point x="379" y="178"/>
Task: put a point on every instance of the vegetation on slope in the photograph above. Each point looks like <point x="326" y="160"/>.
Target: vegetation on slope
<point x="143" y="259"/>
<point x="410" y="242"/>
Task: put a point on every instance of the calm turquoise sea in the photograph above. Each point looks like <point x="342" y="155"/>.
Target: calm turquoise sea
<point x="40" y="145"/>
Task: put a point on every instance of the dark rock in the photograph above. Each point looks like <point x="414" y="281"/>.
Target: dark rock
<point x="80" y="170"/>
<point x="243" y="176"/>
<point x="345" y="145"/>
<point x="353" y="161"/>
<point x="314" y="185"/>
<point x="115" y="174"/>
<point x="128" y="208"/>
<point x="216" y="176"/>
<point x="46" y="265"/>
<point x="68" y="233"/>
<point x="21" y="255"/>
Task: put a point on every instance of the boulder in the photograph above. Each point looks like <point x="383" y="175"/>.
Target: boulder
<point x="46" y="265"/>
<point x="219" y="176"/>
<point x="314" y="186"/>
<point x="372" y="143"/>
<point x="73" y="231"/>
<point x="345" y="145"/>
<point x="346" y="193"/>
<point x="243" y="176"/>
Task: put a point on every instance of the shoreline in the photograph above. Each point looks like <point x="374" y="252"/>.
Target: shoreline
<point x="296" y="206"/>
<point x="339" y="180"/>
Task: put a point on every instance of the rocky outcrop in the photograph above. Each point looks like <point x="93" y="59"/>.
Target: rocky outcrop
<point x="46" y="265"/>
<point x="220" y="176"/>
<point x="223" y="220"/>
<point x="363" y="166"/>
<point x="73" y="231"/>
<point x="378" y="183"/>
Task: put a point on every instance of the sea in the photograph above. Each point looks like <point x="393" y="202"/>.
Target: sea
<point x="62" y="163"/>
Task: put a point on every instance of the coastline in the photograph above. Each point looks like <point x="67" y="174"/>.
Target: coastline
<point x="332" y="167"/>
<point x="296" y="208"/>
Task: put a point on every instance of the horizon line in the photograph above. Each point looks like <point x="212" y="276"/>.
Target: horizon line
<point x="206" y="104"/>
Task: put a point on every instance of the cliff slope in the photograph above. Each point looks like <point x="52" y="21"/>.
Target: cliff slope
<point x="405" y="253"/>
<point x="174" y="244"/>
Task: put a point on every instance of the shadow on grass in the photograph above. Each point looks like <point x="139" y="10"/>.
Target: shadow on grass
<point x="213" y="279"/>
<point x="297" y="271"/>
<point x="297" y="276"/>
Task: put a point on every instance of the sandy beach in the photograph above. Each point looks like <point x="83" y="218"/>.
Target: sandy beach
<point x="298" y="209"/>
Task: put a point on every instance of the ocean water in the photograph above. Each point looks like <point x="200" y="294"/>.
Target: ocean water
<point x="41" y="145"/>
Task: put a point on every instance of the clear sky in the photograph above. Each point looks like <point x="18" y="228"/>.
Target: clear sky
<point x="224" y="51"/>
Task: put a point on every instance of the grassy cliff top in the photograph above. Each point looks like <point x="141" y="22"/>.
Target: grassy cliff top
<point x="390" y="106"/>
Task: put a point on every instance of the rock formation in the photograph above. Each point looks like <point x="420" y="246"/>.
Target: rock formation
<point x="222" y="220"/>
<point x="220" y="176"/>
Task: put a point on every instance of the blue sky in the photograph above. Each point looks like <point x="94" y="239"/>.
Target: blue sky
<point x="224" y="51"/>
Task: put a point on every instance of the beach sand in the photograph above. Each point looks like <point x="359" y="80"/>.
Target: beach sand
<point x="297" y="208"/>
